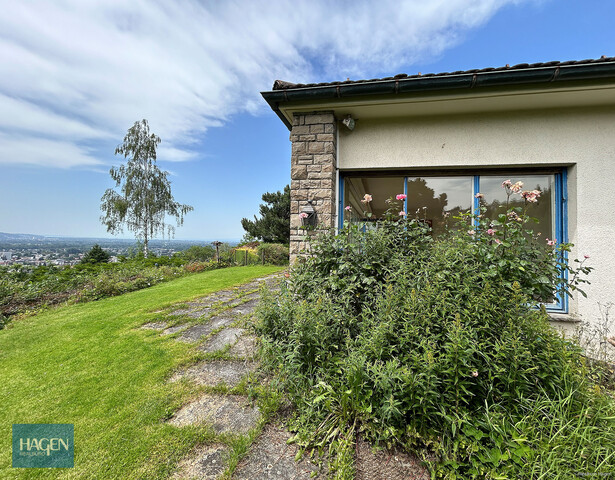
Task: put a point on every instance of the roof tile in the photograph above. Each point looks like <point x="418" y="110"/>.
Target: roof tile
<point x="282" y="85"/>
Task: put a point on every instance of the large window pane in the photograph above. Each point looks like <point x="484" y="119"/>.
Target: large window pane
<point x="544" y="209"/>
<point x="380" y="188"/>
<point x="430" y="198"/>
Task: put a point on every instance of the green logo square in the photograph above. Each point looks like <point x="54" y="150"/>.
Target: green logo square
<point x="43" y="445"/>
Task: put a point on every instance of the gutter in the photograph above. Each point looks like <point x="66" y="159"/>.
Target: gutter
<point x="429" y="83"/>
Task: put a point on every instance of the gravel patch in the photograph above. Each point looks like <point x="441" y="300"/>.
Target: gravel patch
<point x="204" y="463"/>
<point x="387" y="465"/>
<point x="228" y="336"/>
<point x="226" y="414"/>
<point x="270" y="458"/>
<point x="217" y="372"/>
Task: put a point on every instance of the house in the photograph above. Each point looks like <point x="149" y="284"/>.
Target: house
<point x="442" y="138"/>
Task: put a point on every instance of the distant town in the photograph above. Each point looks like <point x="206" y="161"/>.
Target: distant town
<point x="39" y="250"/>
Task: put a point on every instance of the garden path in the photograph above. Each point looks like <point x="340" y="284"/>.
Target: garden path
<point x="219" y="326"/>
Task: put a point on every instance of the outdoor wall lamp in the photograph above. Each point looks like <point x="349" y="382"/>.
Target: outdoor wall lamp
<point x="308" y="215"/>
<point x="349" y="122"/>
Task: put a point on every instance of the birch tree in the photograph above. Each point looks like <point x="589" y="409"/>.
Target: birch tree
<point x="144" y="199"/>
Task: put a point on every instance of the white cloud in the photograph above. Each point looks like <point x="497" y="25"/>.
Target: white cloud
<point x="29" y="150"/>
<point x="78" y="74"/>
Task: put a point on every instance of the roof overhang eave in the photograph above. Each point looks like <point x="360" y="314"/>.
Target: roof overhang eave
<point x="552" y="76"/>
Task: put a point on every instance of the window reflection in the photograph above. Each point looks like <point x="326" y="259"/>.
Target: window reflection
<point x="430" y="198"/>
<point x="496" y="199"/>
<point x="380" y="188"/>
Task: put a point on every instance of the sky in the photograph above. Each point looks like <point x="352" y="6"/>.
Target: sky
<point x="76" y="74"/>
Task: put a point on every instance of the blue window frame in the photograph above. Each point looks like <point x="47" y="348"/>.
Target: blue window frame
<point x="460" y="189"/>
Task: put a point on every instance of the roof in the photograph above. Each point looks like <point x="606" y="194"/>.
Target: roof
<point x="282" y="85"/>
<point x="545" y="72"/>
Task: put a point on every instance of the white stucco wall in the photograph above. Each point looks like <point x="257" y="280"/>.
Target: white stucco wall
<point x="582" y="140"/>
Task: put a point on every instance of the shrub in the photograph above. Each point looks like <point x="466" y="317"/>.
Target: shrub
<point x="124" y="279"/>
<point x="439" y="344"/>
<point x="273" y="253"/>
<point x="24" y="288"/>
<point x="198" y="253"/>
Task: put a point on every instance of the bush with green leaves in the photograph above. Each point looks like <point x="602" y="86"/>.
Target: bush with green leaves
<point x="198" y="253"/>
<point x="273" y="253"/>
<point x="25" y="288"/>
<point x="439" y="345"/>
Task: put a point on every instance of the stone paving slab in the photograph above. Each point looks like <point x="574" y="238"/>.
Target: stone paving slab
<point x="223" y="296"/>
<point x="172" y="330"/>
<point x="245" y="347"/>
<point x="192" y="312"/>
<point x="204" y="305"/>
<point x="270" y="458"/>
<point x="248" y="286"/>
<point x="245" y="308"/>
<point x="251" y="296"/>
<point x="154" y="326"/>
<point x="226" y="414"/>
<point x="204" y="463"/>
<point x="228" y="336"/>
<point x="387" y="465"/>
<point x="269" y="280"/>
<point x="216" y="372"/>
<point x="196" y="332"/>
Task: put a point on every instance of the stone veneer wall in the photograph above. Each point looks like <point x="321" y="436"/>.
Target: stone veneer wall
<point x="313" y="162"/>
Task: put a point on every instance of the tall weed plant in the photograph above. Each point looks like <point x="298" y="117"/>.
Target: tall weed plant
<point x="440" y="346"/>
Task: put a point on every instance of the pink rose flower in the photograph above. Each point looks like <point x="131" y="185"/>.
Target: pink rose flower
<point x="303" y="215"/>
<point x="531" y="196"/>
<point x="367" y="198"/>
<point x="551" y="242"/>
<point x="400" y="196"/>
<point x="491" y="231"/>
<point x="348" y="208"/>
<point x="471" y="232"/>
<point x="498" y="241"/>
<point x="479" y="195"/>
<point x="506" y="183"/>
<point x="516" y="188"/>
<point x="402" y="214"/>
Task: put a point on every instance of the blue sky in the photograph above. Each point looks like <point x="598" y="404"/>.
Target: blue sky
<point x="76" y="75"/>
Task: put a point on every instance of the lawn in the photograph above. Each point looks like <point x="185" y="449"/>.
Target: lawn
<point x="90" y="365"/>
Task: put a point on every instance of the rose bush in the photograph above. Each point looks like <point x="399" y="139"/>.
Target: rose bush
<point x="439" y="345"/>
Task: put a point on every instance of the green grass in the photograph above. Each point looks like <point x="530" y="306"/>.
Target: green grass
<point x="91" y="365"/>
